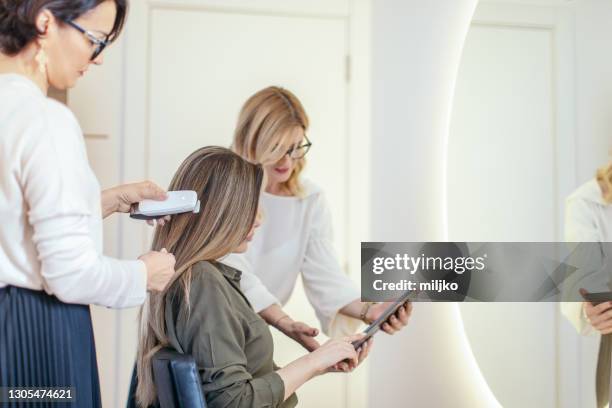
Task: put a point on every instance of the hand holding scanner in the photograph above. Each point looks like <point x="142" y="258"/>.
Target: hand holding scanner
<point x="177" y="202"/>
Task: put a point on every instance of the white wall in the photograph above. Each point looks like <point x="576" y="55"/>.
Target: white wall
<point x="510" y="130"/>
<point x="581" y="81"/>
<point x="593" y="85"/>
<point x="416" y="52"/>
<point x="406" y="203"/>
<point x="593" y="130"/>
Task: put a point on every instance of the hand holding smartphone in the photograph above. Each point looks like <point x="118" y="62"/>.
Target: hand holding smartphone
<point x="375" y="325"/>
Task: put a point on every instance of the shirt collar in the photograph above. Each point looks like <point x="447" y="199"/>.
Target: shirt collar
<point x="229" y="272"/>
<point x="592" y="192"/>
<point x="22" y="80"/>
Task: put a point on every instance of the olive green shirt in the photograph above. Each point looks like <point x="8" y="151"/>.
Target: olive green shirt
<point x="232" y="345"/>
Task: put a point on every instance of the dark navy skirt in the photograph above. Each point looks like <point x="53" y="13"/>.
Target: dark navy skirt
<point x="47" y="343"/>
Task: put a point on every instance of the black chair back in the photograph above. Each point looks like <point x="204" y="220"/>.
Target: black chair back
<point x="176" y="379"/>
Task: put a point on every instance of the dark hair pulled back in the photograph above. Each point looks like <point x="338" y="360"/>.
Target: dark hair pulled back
<point x="18" y="19"/>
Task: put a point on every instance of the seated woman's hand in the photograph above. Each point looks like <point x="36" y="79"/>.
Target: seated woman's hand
<point x="362" y="352"/>
<point x="340" y="355"/>
<point x="396" y="321"/>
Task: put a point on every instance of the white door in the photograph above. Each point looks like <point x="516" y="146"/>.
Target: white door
<point x="507" y="178"/>
<point x="202" y="63"/>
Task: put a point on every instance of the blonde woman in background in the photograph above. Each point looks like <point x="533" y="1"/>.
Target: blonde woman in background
<point x="589" y="219"/>
<point x="296" y="235"/>
<point x="204" y="312"/>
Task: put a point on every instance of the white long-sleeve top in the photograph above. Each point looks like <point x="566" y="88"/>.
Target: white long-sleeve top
<point x="296" y="238"/>
<point x="588" y="218"/>
<point x="50" y="209"/>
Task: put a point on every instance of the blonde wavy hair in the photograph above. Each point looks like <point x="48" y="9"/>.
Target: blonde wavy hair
<point x="229" y="188"/>
<point x="265" y="123"/>
<point x="604" y="178"/>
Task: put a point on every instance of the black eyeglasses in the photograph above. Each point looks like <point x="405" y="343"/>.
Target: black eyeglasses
<point x="298" y="152"/>
<point x="97" y="42"/>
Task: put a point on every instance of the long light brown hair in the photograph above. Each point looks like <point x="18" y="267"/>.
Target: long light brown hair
<point x="265" y="121"/>
<point x="228" y="188"/>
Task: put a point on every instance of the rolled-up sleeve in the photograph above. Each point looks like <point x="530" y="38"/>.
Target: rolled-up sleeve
<point x="214" y="335"/>
<point x="59" y="187"/>
<point x="328" y="288"/>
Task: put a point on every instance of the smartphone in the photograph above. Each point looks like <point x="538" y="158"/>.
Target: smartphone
<point x="597" y="297"/>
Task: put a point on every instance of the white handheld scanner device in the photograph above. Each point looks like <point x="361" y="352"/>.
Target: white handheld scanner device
<point x="177" y="202"/>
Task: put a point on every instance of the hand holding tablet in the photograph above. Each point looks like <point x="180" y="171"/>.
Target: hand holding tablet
<point x="596" y="310"/>
<point x="376" y="325"/>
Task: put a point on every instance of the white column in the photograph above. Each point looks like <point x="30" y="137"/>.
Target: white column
<point x="416" y="51"/>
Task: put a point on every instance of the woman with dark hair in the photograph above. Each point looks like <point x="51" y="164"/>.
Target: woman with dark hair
<point x="51" y="262"/>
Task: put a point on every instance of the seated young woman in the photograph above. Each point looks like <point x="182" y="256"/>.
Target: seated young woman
<point x="203" y="312"/>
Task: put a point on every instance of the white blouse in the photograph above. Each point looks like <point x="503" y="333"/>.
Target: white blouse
<point x="50" y="209"/>
<point x="296" y="238"/>
<point x="588" y="218"/>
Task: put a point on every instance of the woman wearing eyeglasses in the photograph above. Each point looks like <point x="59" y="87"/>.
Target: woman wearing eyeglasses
<point x="51" y="207"/>
<point x="296" y="234"/>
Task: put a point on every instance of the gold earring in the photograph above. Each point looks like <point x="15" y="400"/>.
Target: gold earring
<point x="42" y="59"/>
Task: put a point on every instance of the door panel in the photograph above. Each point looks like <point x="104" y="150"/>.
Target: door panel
<point x="502" y="153"/>
<point x="502" y="186"/>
